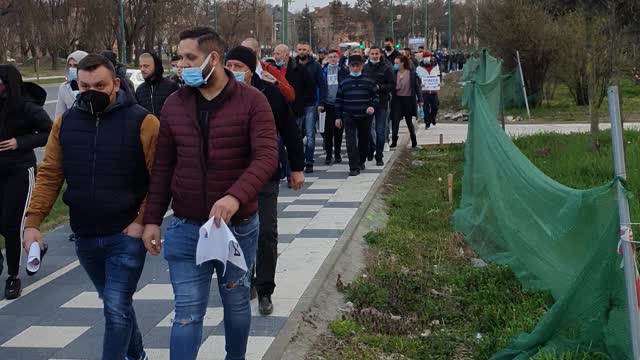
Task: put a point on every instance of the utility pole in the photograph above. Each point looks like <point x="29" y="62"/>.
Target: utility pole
<point x="124" y="39"/>
<point x="413" y="18"/>
<point x="214" y="12"/>
<point x="449" y="33"/>
<point x="426" y="24"/>
<point x="391" y="17"/>
<point x="285" y="22"/>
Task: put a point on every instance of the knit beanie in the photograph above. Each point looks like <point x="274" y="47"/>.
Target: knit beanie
<point x="244" y="55"/>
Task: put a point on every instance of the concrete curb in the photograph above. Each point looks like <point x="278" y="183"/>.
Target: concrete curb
<point x="281" y="342"/>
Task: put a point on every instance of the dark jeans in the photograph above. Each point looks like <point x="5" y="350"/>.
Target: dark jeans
<point x="267" y="257"/>
<point x="403" y="107"/>
<point x="191" y="287"/>
<point x="378" y="133"/>
<point x="431" y="104"/>
<point x="332" y="134"/>
<point x="15" y="191"/>
<point x="357" y="133"/>
<point x="114" y="265"/>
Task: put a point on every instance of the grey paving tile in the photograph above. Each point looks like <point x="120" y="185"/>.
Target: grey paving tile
<point x="56" y="295"/>
<point x="11" y="325"/>
<point x="297" y="214"/>
<point x="342" y="205"/>
<point x="30" y="354"/>
<point x="286" y="238"/>
<point x="308" y="202"/>
<point x="314" y="233"/>
<point x="88" y="346"/>
<point x="72" y="317"/>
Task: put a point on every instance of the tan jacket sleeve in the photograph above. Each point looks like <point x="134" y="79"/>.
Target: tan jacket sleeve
<point x="49" y="180"/>
<point x="148" y="139"/>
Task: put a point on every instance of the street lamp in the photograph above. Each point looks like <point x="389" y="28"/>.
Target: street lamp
<point x="124" y="39"/>
<point x="309" y="18"/>
<point x="398" y="18"/>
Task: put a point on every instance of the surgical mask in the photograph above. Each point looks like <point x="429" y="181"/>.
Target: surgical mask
<point x="174" y="70"/>
<point x="239" y="75"/>
<point x="280" y="63"/>
<point x="396" y="67"/>
<point x="374" y="61"/>
<point x="73" y="74"/>
<point x="192" y="76"/>
<point x="94" y="100"/>
<point x="332" y="66"/>
<point x="356" y="73"/>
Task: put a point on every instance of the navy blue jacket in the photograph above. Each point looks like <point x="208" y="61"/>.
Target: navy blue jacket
<point x="355" y="95"/>
<point x="104" y="166"/>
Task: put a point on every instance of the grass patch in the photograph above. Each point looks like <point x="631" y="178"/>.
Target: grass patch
<point x="421" y="297"/>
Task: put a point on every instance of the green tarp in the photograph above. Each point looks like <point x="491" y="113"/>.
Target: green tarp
<point x="555" y="238"/>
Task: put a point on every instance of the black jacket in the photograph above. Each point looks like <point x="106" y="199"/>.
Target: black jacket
<point x="318" y="82"/>
<point x="285" y="124"/>
<point x="29" y="125"/>
<point x="416" y="91"/>
<point x="299" y="79"/>
<point x="104" y="166"/>
<point x="392" y="56"/>
<point x="382" y="74"/>
<point x="154" y="92"/>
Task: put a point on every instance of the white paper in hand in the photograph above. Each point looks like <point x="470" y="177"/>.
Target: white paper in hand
<point x="322" y="117"/>
<point x="219" y="244"/>
<point x="33" y="260"/>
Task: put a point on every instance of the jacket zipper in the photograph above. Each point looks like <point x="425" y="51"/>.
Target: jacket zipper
<point x="203" y="164"/>
<point x="153" y="108"/>
<point x="93" y="165"/>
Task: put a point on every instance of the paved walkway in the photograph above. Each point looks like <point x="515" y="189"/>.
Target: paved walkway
<point x="60" y="316"/>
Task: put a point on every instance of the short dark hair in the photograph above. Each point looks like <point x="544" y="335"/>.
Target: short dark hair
<point x="93" y="61"/>
<point x="407" y="49"/>
<point x="389" y="39"/>
<point x="208" y="39"/>
<point x="374" y="47"/>
<point x="176" y="58"/>
<point x="331" y="51"/>
<point x="303" y="43"/>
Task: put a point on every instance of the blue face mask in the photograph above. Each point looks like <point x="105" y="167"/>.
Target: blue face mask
<point x="174" y="70"/>
<point x="73" y="74"/>
<point x="192" y="76"/>
<point x="333" y="66"/>
<point x="239" y="75"/>
<point x="280" y="63"/>
<point x="396" y="67"/>
<point x="356" y="73"/>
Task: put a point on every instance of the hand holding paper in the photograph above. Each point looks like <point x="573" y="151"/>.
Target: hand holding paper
<point x="218" y="243"/>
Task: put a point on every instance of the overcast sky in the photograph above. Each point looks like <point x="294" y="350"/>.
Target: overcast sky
<point x="298" y="5"/>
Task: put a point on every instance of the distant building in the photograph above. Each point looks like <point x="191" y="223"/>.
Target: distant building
<point x="330" y="32"/>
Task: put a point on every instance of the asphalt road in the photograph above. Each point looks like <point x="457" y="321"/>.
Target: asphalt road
<point x="50" y="107"/>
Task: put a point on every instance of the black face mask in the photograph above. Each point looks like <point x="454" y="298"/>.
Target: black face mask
<point x="388" y="48"/>
<point x="96" y="101"/>
<point x="303" y="57"/>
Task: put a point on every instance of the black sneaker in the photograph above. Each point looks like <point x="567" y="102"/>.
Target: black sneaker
<point x="327" y="161"/>
<point x="393" y="145"/>
<point x="379" y="162"/>
<point x="265" y="306"/>
<point x="309" y="169"/>
<point x="362" y="166"/>
<point x="13" y="288"/>
<point x="370" y="158"/>
<point x="338" y="159"/>
<point x="355" y="172"/>
<point x="73" y="237"/>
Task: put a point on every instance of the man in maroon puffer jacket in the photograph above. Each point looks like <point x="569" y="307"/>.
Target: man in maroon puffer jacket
<point x="216" y="149"/>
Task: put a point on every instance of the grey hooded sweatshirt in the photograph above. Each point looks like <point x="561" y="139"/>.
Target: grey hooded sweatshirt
<point x="66" y="95"/>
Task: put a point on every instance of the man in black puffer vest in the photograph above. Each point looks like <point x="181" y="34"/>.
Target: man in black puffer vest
<point x="103" y="147"/>
<point x="156" y="88"/>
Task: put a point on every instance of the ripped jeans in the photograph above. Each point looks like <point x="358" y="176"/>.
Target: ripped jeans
<point x="191" y="287"/>
<point x="114" y="265"/>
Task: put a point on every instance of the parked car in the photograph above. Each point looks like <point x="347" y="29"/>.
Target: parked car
<point x="136" y="77"/>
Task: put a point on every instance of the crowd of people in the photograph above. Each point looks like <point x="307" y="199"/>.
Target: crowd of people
<point x="214" y="140"/>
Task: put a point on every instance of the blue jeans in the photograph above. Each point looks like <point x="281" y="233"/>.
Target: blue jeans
<point x="308" y="123"/>
<point x="114" y="265"/>
<point x="191" y="286"/>
<point x="378" y="133"/>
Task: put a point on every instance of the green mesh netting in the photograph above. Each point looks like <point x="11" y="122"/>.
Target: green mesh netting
<point x="555" y="238"/>
<point x="512" y="95"/>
